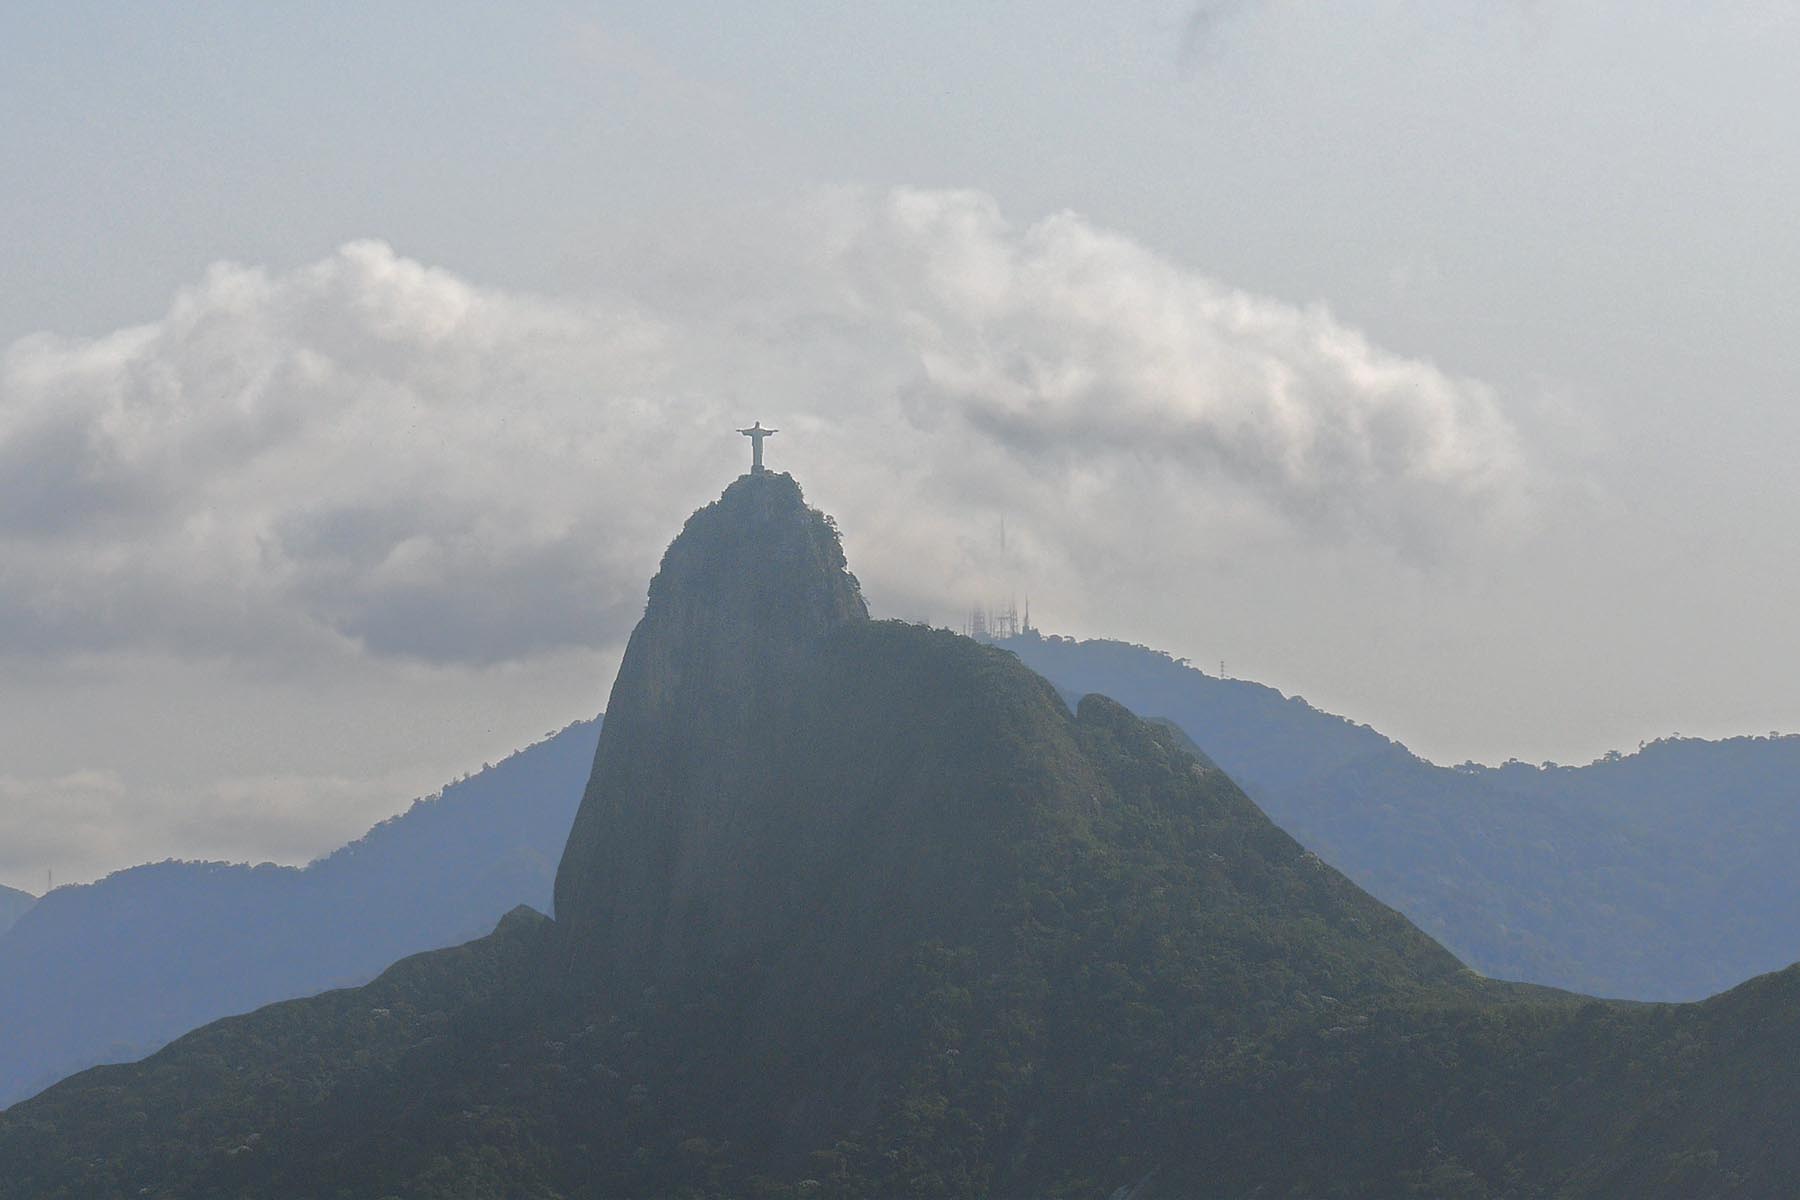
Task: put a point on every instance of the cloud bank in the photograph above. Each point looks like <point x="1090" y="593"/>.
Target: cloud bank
<point x="368" y="455"/>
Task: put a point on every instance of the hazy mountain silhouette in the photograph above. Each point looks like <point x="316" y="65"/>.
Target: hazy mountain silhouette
<point x="1665" y="874"/>
<point x="108" y="972"/>
<point x="858" y="908"/>
<point x="13" y="905"/>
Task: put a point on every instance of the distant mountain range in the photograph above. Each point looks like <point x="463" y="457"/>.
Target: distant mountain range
<point x="857" y="909"/>
<point x="13" y="905"/>
<point x="110" y="971"/>
<point x="1664" y="874"/>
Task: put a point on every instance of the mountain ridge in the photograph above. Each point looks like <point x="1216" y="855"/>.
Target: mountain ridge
<point x="1069" y="848"/>
<point x="1628" y="876"/>
<point x="1678" y="945"/>
<point x="13" y="905"/>
<point x="966" y="941"/>
<point x="112" y="970"/>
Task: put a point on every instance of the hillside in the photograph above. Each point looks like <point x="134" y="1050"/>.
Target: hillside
<point x="1655" y="875"/>
<point x="13" y="905"/>
<point x="110" y="971"/>
<point x="857" y="908"/>
<point x="1661" y="875"/>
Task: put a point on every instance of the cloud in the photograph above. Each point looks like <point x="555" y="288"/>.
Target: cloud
<point x="288" y="460"/>
<point x="85" y="823"/>
<point x="60" y="819"/>
<point x="368" y="455"/>
<point x="1066" y="344"/>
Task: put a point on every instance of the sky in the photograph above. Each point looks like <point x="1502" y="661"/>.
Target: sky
<point x="1431" y="359"/>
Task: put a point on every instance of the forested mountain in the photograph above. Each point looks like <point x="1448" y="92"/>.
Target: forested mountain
<point x="13" y="905"/>
<point x="857" y="908"/>
<point x="110" y="971"/>
<point x="1662" y="874"/>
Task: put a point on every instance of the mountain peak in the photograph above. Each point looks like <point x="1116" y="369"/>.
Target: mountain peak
<point x="746" y="594"/>
<point x="862" y="908"/>
<point x="759" y="558"/>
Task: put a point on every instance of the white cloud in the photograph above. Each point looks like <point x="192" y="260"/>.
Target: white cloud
<point x="371" y="455"/>
<point x="1064" y="343"/>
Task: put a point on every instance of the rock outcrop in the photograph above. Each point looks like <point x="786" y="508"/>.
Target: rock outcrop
<point x="654" y="874"/>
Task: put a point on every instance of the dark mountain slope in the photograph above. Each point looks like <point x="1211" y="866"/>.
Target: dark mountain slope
<point x="993" y="923"/>
<point x="919" y="929"/>
<point x="13" y="905"/>
<point x="1664" y="874"/>
<point x="1509" y="1099"/>
<point x="110" y="971"/>
<point x="1660" y="874"/>
<point x="193" y="1120"/>
<point x="655" y="868"/>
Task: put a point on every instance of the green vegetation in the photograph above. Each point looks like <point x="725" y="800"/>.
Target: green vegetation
<point x="865" y="910"/>
<point x="1665" y="874"/>
<point x="1000" y="950"/>
<point x="111" y="971"/>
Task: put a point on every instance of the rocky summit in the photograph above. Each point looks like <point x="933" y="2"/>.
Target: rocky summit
<point x="655" y="880"/>
<point x="856" y="908"/>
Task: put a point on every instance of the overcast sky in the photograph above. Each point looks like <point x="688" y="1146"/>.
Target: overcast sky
<point x="1435" y="360"/>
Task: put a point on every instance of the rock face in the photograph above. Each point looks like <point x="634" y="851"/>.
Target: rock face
<point x="857" y="908"/>
<point x="654" y="873"/>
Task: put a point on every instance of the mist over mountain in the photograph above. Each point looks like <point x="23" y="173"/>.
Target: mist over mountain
<point x="13" y="905"/>
<point x="1659" y="875"/>
<point x="110" y="971"/>
<point x="858" y="908"/>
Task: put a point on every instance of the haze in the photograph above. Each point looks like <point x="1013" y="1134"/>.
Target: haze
<point x="1434" y="361"/>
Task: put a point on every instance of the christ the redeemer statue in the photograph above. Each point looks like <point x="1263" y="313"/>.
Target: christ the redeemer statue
<point x="756" y="433"/>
